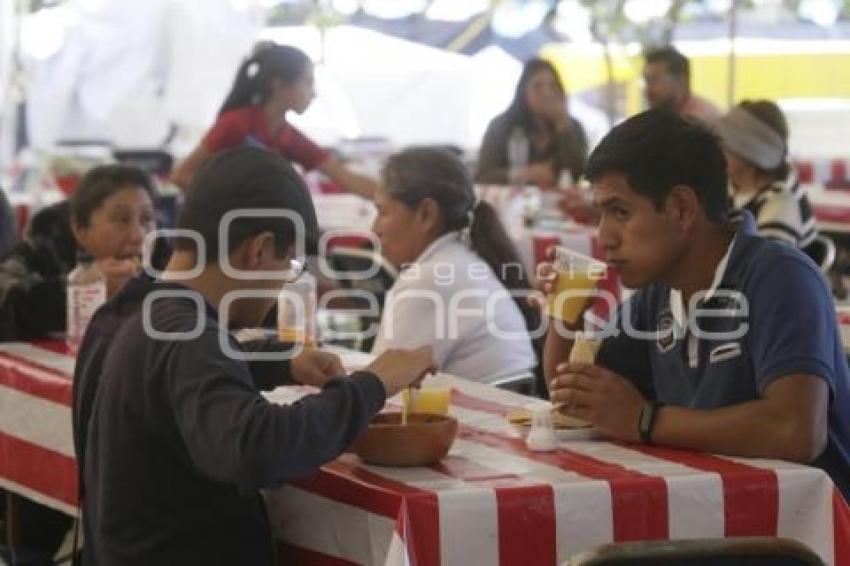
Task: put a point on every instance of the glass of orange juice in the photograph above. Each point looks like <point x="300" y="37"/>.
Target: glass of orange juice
<point x="433" y="400"/>
<point x="576" y="278"/>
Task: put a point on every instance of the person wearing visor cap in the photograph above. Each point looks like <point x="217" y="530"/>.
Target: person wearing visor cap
<point x="176" y="441"/>
<point x="755" y="142"/>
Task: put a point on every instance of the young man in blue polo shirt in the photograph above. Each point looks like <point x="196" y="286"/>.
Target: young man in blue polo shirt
<point x="730" y="345"/>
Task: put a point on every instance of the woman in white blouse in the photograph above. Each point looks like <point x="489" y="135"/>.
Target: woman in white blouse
<point x="462" y="288"/>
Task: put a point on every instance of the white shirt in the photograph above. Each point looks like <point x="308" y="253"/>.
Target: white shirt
<point x="451" y="300"/>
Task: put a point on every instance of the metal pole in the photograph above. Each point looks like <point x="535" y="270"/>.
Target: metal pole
<point x="733" y="32"/>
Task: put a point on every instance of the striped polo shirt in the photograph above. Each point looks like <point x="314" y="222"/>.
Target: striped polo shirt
<point x="782" y="212"/>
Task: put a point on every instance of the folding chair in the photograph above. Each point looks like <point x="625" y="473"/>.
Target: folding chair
<point x="366" y="273"/>
<point x="822" y="251"/>
<point x="741" y="551"/>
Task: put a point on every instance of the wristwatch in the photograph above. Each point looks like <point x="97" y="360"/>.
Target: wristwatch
<point x="648" y="414"/>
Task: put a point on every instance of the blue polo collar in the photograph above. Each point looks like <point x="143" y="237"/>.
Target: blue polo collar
<point x="746" y="228"/>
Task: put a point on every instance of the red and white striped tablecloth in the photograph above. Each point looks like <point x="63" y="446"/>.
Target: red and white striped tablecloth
<point x="36" y="444"/>
<point x="490" y="502"/>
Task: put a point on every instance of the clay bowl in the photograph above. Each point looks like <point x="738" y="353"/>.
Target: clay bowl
<point x="424" y="440"/>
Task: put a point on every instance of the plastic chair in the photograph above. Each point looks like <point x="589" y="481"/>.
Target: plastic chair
<point x="749" y="551"/>
<point x="822" y="251"/>
<point x="349" y="265"/>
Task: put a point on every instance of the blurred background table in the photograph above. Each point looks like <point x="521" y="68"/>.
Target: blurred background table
<point x="831" y="208"/>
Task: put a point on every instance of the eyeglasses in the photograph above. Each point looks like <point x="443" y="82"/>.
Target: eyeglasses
<point x="297" y="267"/>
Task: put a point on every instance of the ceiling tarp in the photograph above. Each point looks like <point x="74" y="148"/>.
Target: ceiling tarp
<point x="469" y="36"/>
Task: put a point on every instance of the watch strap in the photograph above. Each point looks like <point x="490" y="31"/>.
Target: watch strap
<point x="648" y="415"/>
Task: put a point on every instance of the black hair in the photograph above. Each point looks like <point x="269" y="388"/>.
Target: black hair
<point x="657" y="150"/>
<point x="770" y="114"/>
<point x="677" y="64"/>
<point x="247" y="178"/>
<point x="518" y="112"/>
<point x="100" y="183"/>
<point x="254" y="79"/>
<point x="52" y="225"/>
<point x="426" y="172"/>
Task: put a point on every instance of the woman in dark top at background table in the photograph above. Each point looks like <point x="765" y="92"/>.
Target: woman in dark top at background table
<point x="535" y="139"/>
<point x="274" y="80"/>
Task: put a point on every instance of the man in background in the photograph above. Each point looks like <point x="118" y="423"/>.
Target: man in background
<point x="667" y="85"/>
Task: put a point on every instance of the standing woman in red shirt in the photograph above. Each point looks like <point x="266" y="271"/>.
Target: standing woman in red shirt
<point x="270" y="83"/>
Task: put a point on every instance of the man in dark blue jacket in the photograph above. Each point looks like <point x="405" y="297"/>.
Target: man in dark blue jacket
<point x="174" y="437"/>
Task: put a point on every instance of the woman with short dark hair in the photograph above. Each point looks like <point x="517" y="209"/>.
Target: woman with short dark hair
<point x="108" y="216"/>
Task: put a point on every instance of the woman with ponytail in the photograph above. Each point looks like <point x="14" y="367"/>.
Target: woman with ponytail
<point x="462" y="289"/>
<point x="274" y="80"/>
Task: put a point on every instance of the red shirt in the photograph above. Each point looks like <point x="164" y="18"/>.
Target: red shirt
<point x="247" y="126"/>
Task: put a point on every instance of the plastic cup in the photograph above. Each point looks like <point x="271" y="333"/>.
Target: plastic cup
<point x="576" y="278"/>
<point x="432" y="400"/>
<point x="541" y="437"/>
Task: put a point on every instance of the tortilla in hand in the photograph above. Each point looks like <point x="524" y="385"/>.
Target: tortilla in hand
<point x="584" y="349"/>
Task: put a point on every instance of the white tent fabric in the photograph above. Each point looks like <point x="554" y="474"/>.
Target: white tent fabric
<point x="373" y="84"/>
<point x="377" y="85"/>
<point x="7" y="45"/>
<point x="8" y="33"/>
<point x="125" y="70"/>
